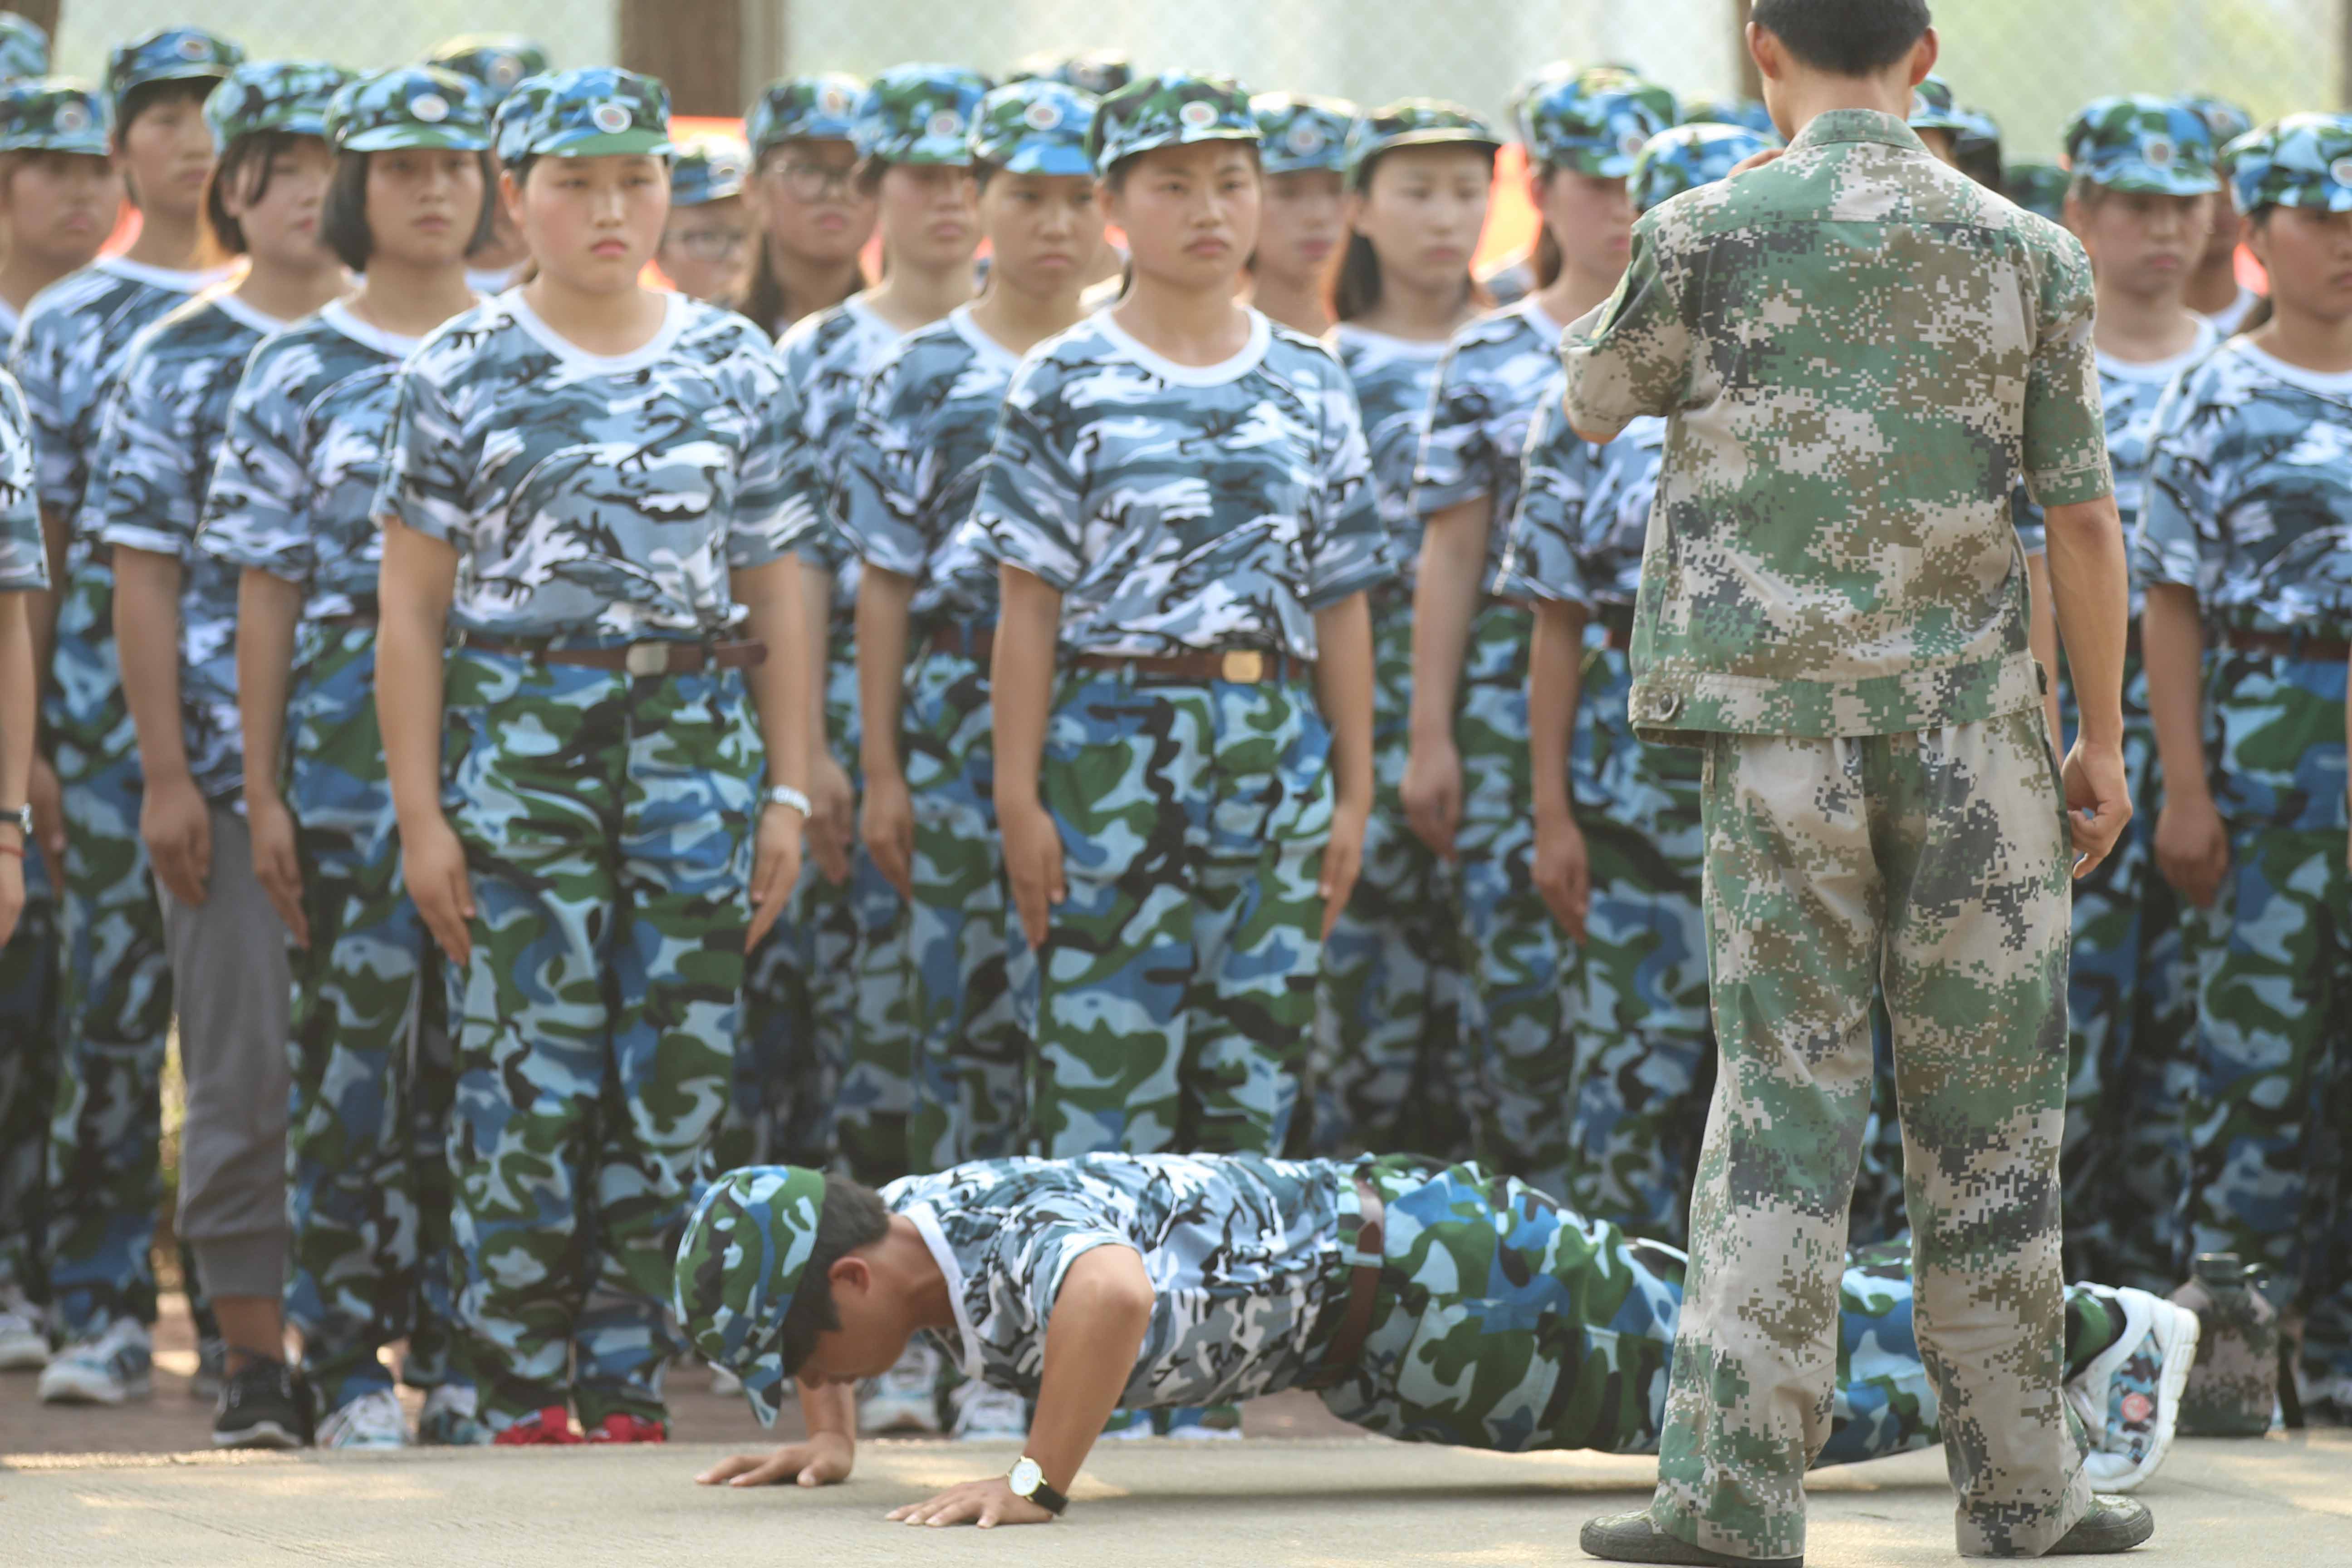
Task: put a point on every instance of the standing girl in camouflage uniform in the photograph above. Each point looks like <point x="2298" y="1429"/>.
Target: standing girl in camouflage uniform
<point x="1389" y="1071"/>
<point x="496" y="63"/>
<point x="1302" y="151"/>
<point x="105" y="1178"/>
<point x="593" y="480"/>
<point x="175" y="623"/>
<point x="1468" y="791"/>
<point x="706" y="250"/>
<point x="2247" y="530"/>
<point x="301" y="459"/>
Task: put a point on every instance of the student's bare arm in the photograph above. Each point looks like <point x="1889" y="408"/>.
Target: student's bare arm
<point x="822" y="1458"/>
<point x="1091" y="1342"/>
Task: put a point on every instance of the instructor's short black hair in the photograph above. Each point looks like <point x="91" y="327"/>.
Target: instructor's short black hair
<point x="1845" y="37"/>
<point x="852" y="1216"/>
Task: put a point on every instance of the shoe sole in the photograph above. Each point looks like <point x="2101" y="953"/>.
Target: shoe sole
<point x="2180" y="1359"/>
<point x="73" y="1390"/>
<point x="23" y="1356"/>
<point x="1677" y="1553"/>
<point x="2117" y="1538"/>
<point x="261" y="1435"/>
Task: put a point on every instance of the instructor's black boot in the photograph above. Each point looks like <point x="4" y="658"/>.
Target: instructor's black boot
<point x="1633" y="1538"/>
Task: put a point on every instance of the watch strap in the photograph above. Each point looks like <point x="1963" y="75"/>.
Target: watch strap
<point x="1042" y="1494"/>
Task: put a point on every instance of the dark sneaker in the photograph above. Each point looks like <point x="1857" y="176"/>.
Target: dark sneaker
<point x="2114" y="1524"/>
<point x="1635" y="1538"/>
<point x="262" y="1405"/>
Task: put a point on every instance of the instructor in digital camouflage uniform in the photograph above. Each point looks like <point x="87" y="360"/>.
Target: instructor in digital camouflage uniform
<point x="1858" y="352"/>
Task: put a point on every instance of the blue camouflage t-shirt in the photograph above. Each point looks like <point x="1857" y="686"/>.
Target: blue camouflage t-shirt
<point x="1584" y="512"/>
<point x="1494" y="373"/>
<point x="1394" y="378"/>
<point x="593" y="496"/>
<point x="2131" y="394"/>
<point x="827" y="357"/>
<point x="303" y="460"/>
<point x="23" y="560"/>
<point x="1180" y="507"/>
<point x="165" y="415"/>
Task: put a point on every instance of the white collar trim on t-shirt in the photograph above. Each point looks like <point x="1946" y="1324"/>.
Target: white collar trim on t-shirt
<point x="338" y="315"/>
<point x="259" y="320"/>
<point x="2325" y="385"/>
<point x="1223" y="373"/>
<point x="169" y="278"/>
<point x="928" y="1224"/>
<point x="563" y="348"/>
<point x="995" y="353"/>
<point x="2159" y="370"/>
<point x="1403" y="348"/>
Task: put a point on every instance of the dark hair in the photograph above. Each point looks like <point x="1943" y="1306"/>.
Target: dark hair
<point x="1844" y="37"/>
<point x="343" y="224"/>
<point x="852" y="1216"/>
<point x="763" y="299"/>
<point x="1355" y="281"/>
<point x="147" y="95"/>
<point x="260" y="150"/>
<point x="1544" y="260"/>
<point x="1115" y="177"/>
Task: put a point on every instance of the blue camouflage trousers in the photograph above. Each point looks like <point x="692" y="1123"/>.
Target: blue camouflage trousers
<point x="1176" y="984"/>
<point x="2272" y="961"/>
<point x="607" y="822"/>
<point x="1388" y="1067"/>
<point x="367" y="1199"/>
<point x="29" y="1063"/>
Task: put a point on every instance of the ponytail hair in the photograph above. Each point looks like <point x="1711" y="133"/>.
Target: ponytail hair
<point x="1545" y="260"/>
<point x="1356" y="286"/>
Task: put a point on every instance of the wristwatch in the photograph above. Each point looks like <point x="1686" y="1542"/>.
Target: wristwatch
<point x="1029" y="1481"/>
<point x="23" y="817"/>
<point x="788" y="798"/>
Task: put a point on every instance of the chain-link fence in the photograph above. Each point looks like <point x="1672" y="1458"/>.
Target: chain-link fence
<point x="357" y="33"/>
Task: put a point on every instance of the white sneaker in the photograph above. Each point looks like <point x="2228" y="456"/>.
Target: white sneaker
<point x="906" y="1398"/>
<point x="2129" y="1397"/>
<point x="986" y="1414"/>
<point x="24" y="1347"/>
<point x="105" y="1369"/>
<point x="725" y="1381"/>
<point x="452" y="1417"/>
<point x="373" y="1420"/>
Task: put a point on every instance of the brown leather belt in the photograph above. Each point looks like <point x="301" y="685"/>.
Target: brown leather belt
<point x="1347" y="1347"/>
<point x="661" y="657"/>
<point x="1244" y="666"/>
<point x="976" y="645"/>
<point x="2286" y="645"/>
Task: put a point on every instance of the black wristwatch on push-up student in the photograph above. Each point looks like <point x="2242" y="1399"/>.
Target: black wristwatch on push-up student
<point x="1027" y="1480"/>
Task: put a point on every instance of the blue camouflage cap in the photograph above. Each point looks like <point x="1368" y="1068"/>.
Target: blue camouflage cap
<point x="591" y="112"/>
<point x="2225" y="121"/>
<point x="1749" y="112"/>
<point x="1688" y="156"/>
<point x="1099" y="71"/>
<point x="496" y="63"/>
<point x="288" y="96"/>
<point x="1934" y="108"/>
<point x="2142" y="142"/>
<point x="1297" y="132"/>
<point x="1413" y="123"/>
<point x="54" y="114"/>
<point x="1174" y="109"/>
<point x="919" y="114"/>
<point x="24" y="48"/>
<point x="412" y="106"/>
<point x="804" y="108"/>
<point x="2302" y="160"/>
<point x="1036" y="126"/>
<point x="2038" y="188"/>
<point x="740" y="1264"/>
<point x="709" y="168"/>
<point x="170" y="54"/>
<point x="1531" y="90"/>
<point x="1597" y="121"/>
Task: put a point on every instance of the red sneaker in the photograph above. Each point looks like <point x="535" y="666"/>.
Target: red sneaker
<point x="553" y="1424"/>
<point x="626" y="1429"/>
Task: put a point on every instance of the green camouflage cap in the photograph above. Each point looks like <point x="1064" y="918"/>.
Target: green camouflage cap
<point x="2038" y="188"/>
<point x="169" y="54"/>
<point x="1297" y="132"/>
<point x="740" y="1264"/>
<point x="1751" y="112"/>
<point x="2223" y="119"/>
<point x="1101" y="72"/>
<point x="496" y="63"/>
<point x="413" y="106"/>
<point x="2142" y="142"/>
<point x="24" y="48"/>
<point x="1976" y="147"/>
<point x="709" y="168"/>
<point x="592" y="112"/>
<point x="804" y="108"/>
<point x="1933" y="107"/>
<point x="1036" y="126"/>
<point x="1171" y="110"/>
<point x="2302" y="160"/>
<point x="1688" y="156"/>
<point x="1597" y="122"/>
<point x="289" y="96"/>
<point x="54" y="114"/>
<point x="1413" y="123"/>
<point x="919" y="114"/>
<point x="1532" y="87"/>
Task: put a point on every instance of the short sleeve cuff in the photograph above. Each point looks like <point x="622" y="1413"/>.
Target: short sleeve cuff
<point x="155" y="540"/>
<point x="1053" y="568"/>
<point x="1326" y="593"/>
<point x="2071" y="487"/>
<point x="223" y="544"/>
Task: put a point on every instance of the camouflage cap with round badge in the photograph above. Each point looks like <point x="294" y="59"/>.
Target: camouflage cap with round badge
<point x="596" y="112"/>
<point x="1098" y="72"/>
<point x="1934" y="108"/>
<point x="1688" y="156"/>
<point x="1297" y="132"/>
<point x="2156" y="146"/>
<point x="23" y="48"/>
<point x="709" y="168"/>
<point x="496" y="63"/>
<point x="804" y="108"/>
<point x="1174" y="109"/>
<point x="740" y="1264"/>
<point x="511" y="123"/>
<point x="919" y="114"/>
<point x="1413" y="123"/>
<point x="413" y="106"/>
<point x="1038" y="126"/>
<point x="170" y="54"/>
<point x="288" y="96"/>
<point x="2304" y="161"/>
<point x="2039" y="189"/>
<point x="2223" y="119"/>
<point x="1749" y="112"/>
<point x="1598" y="122"/>
<point x="1530" y="91"/>
<point x="56" y="114"/>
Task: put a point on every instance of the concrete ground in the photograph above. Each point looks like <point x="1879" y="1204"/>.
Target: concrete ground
<point x="108" y="1487"/>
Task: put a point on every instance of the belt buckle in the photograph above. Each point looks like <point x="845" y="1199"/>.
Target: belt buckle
<point x="1243" y="665"/>
<point x="644" y="658"/>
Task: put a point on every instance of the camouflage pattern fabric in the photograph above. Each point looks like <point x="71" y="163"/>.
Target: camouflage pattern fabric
<point x="1688" y="156"/>
<point x="607" y="823"/>
<point x="24" y="558"/>
<point x="1099" y="71"/>
<point x="1749" y="112"/>
<point x="919" y="114"/>
<point x="596" y="111"/>
<point x="2224" y="121"/>
<point x="709" y="168"/>
<point x="803" y="108"/>
<point x="258" y="97"/>
<point x="1297" y="132"/>
<point x="1173" y="109"/>
<point x="28" y="1087"/>
<point x="497" y="63"/>
<point x="2297" y="161"/>
<point x="1830" y="863"/>
<point x="2140" y="143"/>
<point x="1475" y="429"/>
<point x="169" y="54"/>
<point x="1934" y="108"/>
<point x="1034" y="128"/>
<point x="740" y="1263"/>
<point x="1595" y="122"/>
<point x="1412" y="122"/>
<point x="55" y="115"/>
<point x="416" y="106"/>
<point x="2039" y="189"/>
<point x="1760" y="629"/>
<point x="24" y="48"/>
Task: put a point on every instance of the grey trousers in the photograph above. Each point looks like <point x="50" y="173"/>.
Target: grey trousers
<point x="233" y="990"/>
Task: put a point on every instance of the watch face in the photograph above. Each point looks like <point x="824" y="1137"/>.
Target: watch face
<point x="1026" y="1477"/>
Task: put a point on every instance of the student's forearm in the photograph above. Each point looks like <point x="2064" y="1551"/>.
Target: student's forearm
<point x="147" y="642"/>
<point x="1021" y="681"/>
<point x="412" y="617"/>
<point x="882" y="603"/>
<point x="2042" y="638"/>
<point x="830" y="1410"/>
<point x="815" y="607"/>
<point x="2090" y="585"/>
<point x="19" y="701"/>
<point x="1555" y="686"/>
<point x="1445" y="601"/>
<point x="769" y="595"/>
<point x="268" y="608"/>
<point x="2172" y="646"/>
<point x="1092" y="1338"/>
<point x="1343" y="682"/>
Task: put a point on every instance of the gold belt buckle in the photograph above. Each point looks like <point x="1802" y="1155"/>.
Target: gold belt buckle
<point x="647" y="658"/>
<point x="1243" y="665"/>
